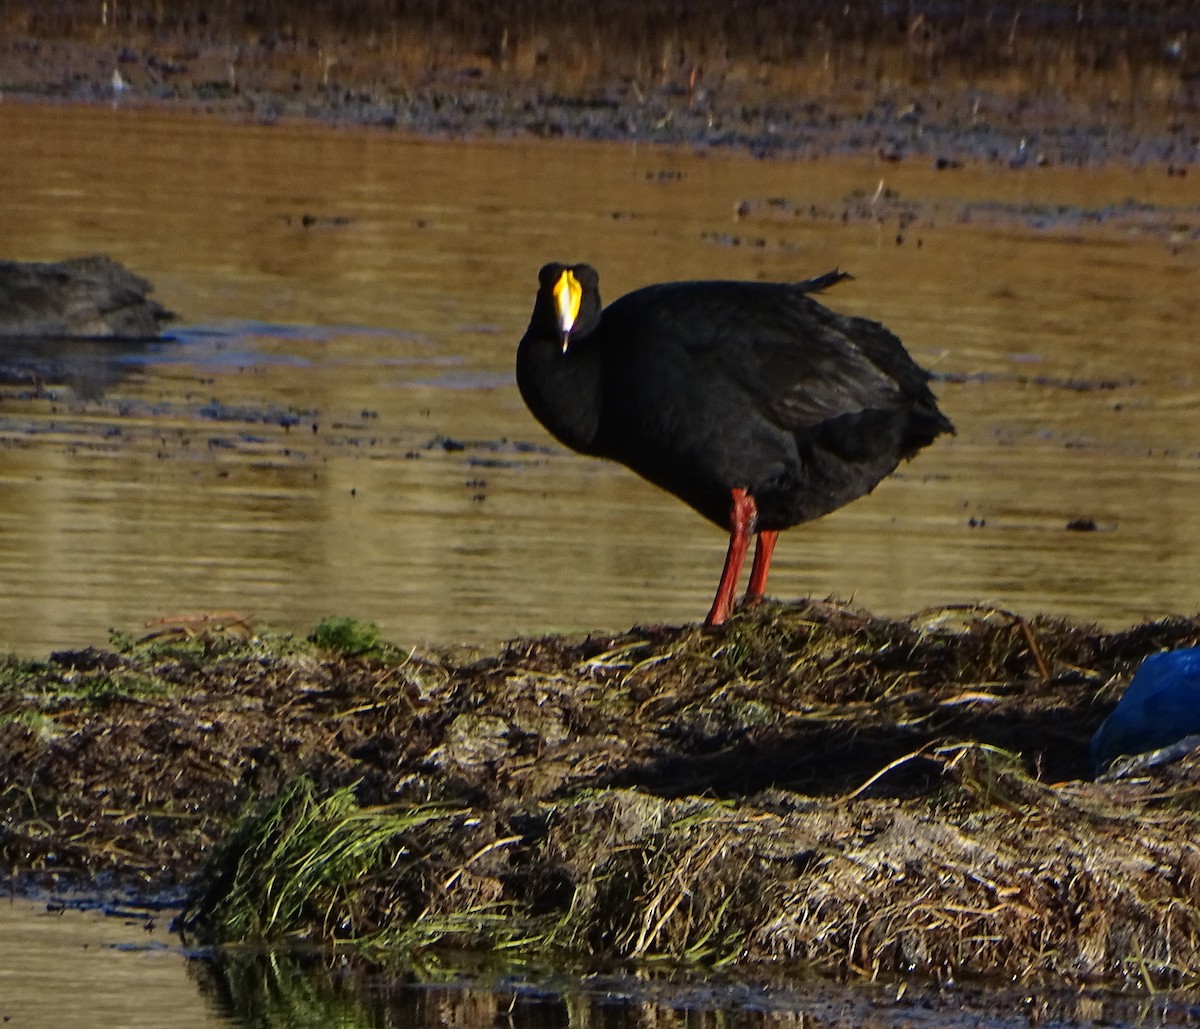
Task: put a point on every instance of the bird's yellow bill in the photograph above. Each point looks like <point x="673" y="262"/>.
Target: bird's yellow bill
<point x="568" y="295"/>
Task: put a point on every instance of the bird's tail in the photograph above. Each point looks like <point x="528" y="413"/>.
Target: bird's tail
<point x="820" y="283"/>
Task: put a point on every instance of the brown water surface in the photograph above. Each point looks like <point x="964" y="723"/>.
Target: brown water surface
<point x="337" y="429"/>
<point x="67" y="967"/>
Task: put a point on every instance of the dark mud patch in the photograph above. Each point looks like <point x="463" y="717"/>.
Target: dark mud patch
<point x="265" y="435"/>
<point x="809" y="784"/>
<point x="1176" y="228"/>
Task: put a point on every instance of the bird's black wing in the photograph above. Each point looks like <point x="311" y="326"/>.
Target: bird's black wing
<point x="797" y="362"/>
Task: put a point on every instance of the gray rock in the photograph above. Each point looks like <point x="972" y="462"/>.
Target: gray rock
<point x="84" y="297"/>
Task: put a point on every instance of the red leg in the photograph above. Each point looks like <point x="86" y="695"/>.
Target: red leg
<point x="762" y="565"/>
<point x="742" y="515"/>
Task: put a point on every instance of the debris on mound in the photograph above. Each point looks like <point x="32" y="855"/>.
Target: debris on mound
<point x="810" y="783"/>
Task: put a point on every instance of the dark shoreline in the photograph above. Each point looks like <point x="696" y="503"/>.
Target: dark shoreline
<point x="1054" y="84"/>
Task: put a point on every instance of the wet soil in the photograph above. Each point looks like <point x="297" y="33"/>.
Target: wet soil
<point x="808" y="783"/>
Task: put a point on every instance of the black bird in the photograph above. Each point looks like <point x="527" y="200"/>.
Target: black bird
<point x="749" y="401"/>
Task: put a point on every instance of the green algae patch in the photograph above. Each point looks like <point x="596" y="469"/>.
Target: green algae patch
<point x="809" y="784"/>
<point x="351" y="637"/>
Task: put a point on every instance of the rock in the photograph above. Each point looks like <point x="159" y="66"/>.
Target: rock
<point x="84" y="297"/>
<point x="1161" y="706"/>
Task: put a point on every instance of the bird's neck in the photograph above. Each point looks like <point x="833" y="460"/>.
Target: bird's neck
<point x="562" y="390"/>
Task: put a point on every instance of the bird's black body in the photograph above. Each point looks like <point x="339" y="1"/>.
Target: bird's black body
<point x="704" y="388"/>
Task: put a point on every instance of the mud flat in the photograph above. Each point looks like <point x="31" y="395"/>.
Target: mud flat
<point x="810" y="784"/>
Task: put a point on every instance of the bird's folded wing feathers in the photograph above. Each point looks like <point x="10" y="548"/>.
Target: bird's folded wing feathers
<point x="803" y="368"/>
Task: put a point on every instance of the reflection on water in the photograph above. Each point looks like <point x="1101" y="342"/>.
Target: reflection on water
<point x="439" y="990"/>
<point x="91" y="368"/>
<point x="337" y="430"/>
<point x="74" y="966"/>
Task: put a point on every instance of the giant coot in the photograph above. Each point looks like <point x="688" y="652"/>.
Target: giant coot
<point x="749" y="401"/>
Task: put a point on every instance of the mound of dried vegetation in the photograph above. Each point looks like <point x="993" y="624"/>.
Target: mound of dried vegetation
<point x="809" y="783"/>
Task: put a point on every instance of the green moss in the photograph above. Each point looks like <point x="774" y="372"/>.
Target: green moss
<point x="41" y="725"/>
<point x="45" y="686"/>
<point x="19" y="674"/>
<point x="111" y="687"/>
<point x="121" y="641"/>
<point x="340" y="634"/>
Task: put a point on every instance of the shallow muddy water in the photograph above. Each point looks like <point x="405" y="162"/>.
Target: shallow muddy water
<point x="63" y="966"/>
<point x="336" y="429"/>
